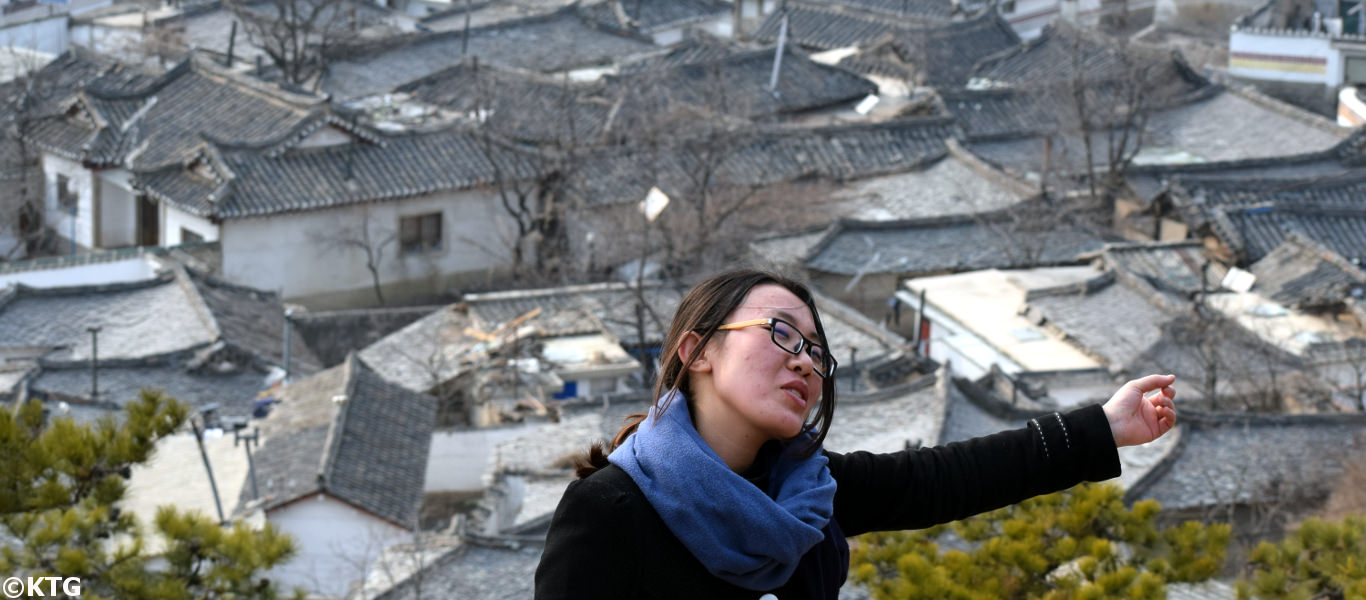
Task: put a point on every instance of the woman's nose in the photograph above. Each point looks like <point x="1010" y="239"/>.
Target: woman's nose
<point x="802" y="363"/>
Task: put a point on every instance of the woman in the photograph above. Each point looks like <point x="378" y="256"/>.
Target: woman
<point x="723" y="490"/>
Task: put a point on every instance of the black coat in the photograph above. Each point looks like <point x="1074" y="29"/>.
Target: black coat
<point x="606" y="541"/>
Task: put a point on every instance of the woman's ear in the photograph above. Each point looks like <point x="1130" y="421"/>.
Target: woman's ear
<point x="685" y="349"/>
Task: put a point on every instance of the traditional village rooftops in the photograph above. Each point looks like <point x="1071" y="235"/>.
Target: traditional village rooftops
<point x="737" y="84"/>
<point x="825" y="26"/>
<point x="1179" y="267"/>
<point x="945" y="245"/>
<point x="1253" y="216"/>
<point x="1063" y="52"/>
<point x="176" y="314"/>
<point x="698" y="47"/>
<point x="1292" y="461"/>
<point x="147" y="124"/>
<point x="1303" y="274"/>
<point x="285" y="175"/>
<point x="936" y="55"/>
<point x="556" y="42"/>
<point x="649" y="16"/>
<point x="957" y="184"/>
<point x="986" y="303"/>
<point x="120" y="383"/>
<point x="772" y="155"/>
<point x="348" y="433"/>
<point x="520" y="105"/>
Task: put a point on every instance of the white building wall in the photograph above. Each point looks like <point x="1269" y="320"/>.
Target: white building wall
<point x="118" y="209"/>
<point x="1284" y="56"/>
<point x="461" y="461"/>
<point x="175" y="220"/>
<point x="337" y="543"/>
<point x="299" y="253"/>
<point x="78" y="227"/>
<point x="45" y="34"/>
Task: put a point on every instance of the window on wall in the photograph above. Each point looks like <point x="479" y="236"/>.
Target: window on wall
<point x="419" y="233"/>
<point x="189" y="237"/>
<point x="66" y="197"/>
<point x="1008" y="6"/>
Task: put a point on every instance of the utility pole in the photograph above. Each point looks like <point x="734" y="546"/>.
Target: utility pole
<point x="247" y="440"/>
<point x="94" y="363"/>
<point x="199" y="439"/>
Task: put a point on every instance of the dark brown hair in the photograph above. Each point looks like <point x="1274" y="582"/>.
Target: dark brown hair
<point x="701" y="311"/>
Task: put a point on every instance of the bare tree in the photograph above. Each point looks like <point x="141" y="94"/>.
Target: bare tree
<point x="365" y="235"/>
<point x="22" y="202"/>
<point x="297" y="34"/>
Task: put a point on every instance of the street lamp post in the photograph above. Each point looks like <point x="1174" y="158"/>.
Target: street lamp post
<point x="204" y="415"/>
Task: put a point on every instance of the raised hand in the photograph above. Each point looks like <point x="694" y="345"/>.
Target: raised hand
<point x="1142" y="410"/>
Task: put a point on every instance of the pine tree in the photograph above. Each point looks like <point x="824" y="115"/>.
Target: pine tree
<point x="1320" y="560"/>
<point x="59" y="516"/>
<point x="1078" y="544"/>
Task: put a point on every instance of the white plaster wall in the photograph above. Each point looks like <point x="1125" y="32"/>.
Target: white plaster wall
<point x="118" y="209"/>
<point x="174" y="219"/>
<point x="78" y="227"/>
<point x="46" y="35"/>
<point x="134" y="269"/>
<point x="459" y="460"/>
<point x="720" y="26"/>
<point x="1285" y="45"/>
<point x="298" y="253"/>
<point x="668" y="36"/>
<point x="336" y="543"/>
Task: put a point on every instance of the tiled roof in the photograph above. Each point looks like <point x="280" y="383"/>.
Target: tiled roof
<point x="771" y="155"/>
<point x="946" y="244"/>
<point x="943" y="55"/>
<point x="1239" y="459"/>
<point x="238" y="182"/>
<point x="429" y="351"/>
<point x="825" y="26"/>
<point x="234" y="393"/>
<point x="1063" y="52"/>
<point x="1228" y="126"/>
<point x="1116" y="323"/>
<point x="1175" y="267"/>
<point x="136" y="320"/>
<point x="253" y="321"/>
<point x="551" y="43"/>
<point x="999" y="114"/>
<point x="522" y="106"/>
<point x="697" y="48"/>
<point x="738" y="84"/>
<point x="1303" y="274"/>
<point x="175" y="314"/>
<point x="163" y="121"/>
<point x="1253" y="216"/>
<point x="647" y="16"/>
<point x="369" y="450"/>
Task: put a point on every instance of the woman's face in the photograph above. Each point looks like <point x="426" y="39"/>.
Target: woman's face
<point x="762" y="391"/>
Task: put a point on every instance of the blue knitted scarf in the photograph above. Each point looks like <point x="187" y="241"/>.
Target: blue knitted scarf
<point x="742" y="535"/>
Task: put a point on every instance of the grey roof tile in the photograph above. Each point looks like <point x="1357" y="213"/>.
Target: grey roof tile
<point x="1252" y="460"/>
<point x="234" y="182"/>
<point x="1303" y="274"/>
<point x="937" y="55"/>
<point x="551" y="43"/>
<point x="646" y="16"/>
<point x="1254" y="216"/>
<point x="164" y="121"/>
<point x="1174" y="267"/>
<point x="767" y="156"/>
<point x="234" y="393"/>
<point x="825" y="25"/>
<point x="737" y="84"/>
<point x="254" y="321"/>
<point x="370" y="450"/>
<point x="136" y="320"/>
<point x="945" y="244"/>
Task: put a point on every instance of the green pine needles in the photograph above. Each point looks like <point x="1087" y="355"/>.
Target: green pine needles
<point x="1079" y="544"/>
<point x="59" y="516"/>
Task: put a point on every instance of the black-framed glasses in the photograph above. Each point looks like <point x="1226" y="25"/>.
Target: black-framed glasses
<point x="786" y="336"/>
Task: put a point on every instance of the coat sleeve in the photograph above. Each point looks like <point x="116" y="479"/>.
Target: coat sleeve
<point x="919" y="488"/>
<point x="587" y="549"/>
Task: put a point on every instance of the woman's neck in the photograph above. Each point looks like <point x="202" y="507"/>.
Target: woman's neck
<point x="735" y="444"/>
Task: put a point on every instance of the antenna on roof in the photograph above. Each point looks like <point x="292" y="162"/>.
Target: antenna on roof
<point x="778" y="53"/>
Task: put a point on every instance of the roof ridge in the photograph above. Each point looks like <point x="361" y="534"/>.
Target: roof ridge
<point x="336" y="428"/>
